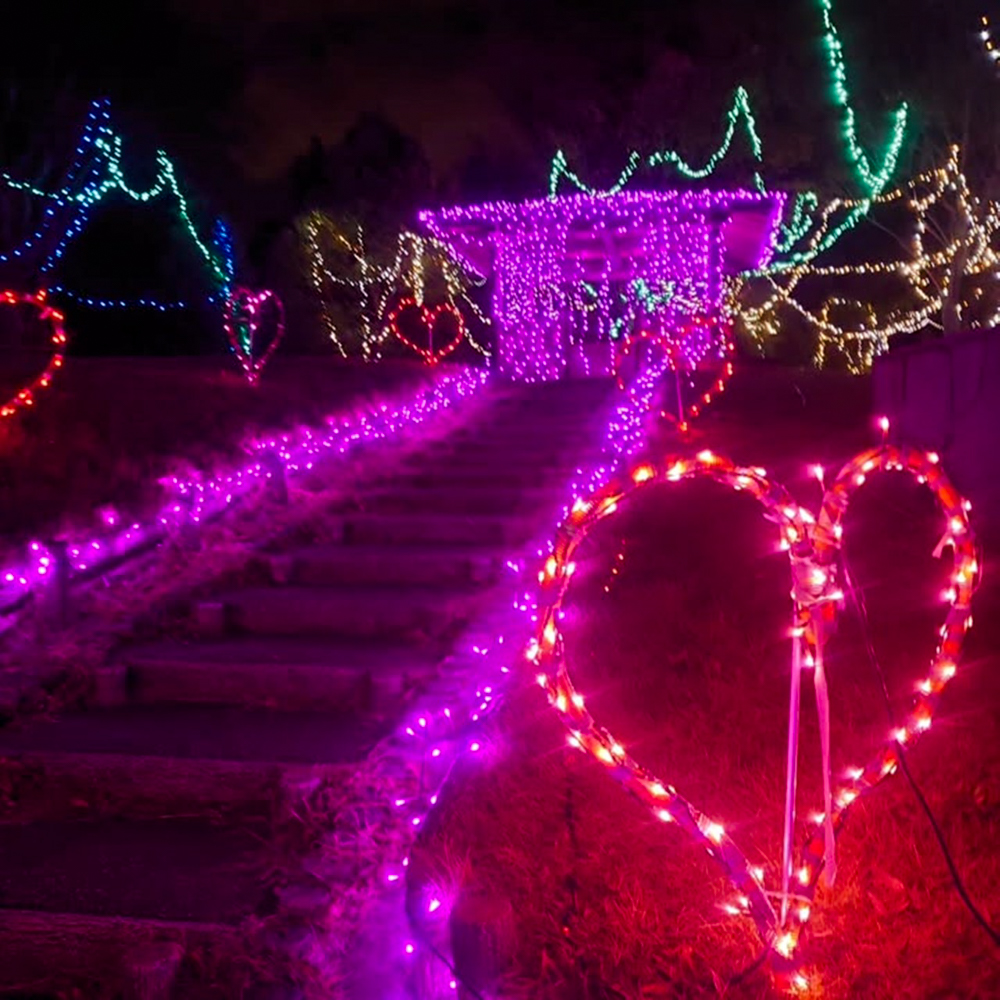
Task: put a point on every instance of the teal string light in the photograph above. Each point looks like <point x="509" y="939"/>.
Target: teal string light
<point x="652" y="301"/>
<point x="739" y="110"/>
<point x="872" y="180"/>
<point x="795" y="229"/>
<point x="165" y="182"/>
<point x="872" y="174"/>
<point x="103" y="148"/>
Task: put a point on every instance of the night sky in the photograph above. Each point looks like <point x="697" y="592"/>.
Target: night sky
<point x="235" y="89"/>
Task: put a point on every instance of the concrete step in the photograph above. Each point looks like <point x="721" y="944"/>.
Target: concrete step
<point x="283" y="674"/>
<point x="481" y="475"/>
<point x="432" y="565"/>
<point x="564" y="391"/>
<point x="151" y="761"/>
<point x="77" y="897"/>
<point x="359" y="611"/>
<point x="518" y="467"/>
<point x="529" y="449"/>
<point x="485" y="532"/>
<point x="475" y="499"/>
<point x="535" y="434"/>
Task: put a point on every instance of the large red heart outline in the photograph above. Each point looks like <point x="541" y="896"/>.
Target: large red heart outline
<point x="813" y="545"/>
<point x="429" y="319"/>
<point x="245" y="308"/>
<point x="57" y="340"/>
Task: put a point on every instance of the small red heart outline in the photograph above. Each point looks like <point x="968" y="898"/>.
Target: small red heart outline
<point x="250" y="303"/>
<point x="429" y="318"/>
<point x="813" y="544"/>
<point x="670" y="345"/>
<point x="57" y="338"/>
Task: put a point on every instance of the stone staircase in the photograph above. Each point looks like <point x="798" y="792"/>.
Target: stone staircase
<point x="134" y="842"/>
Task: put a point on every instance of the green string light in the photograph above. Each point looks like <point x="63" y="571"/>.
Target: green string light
<point x="872" y="180"/>
<point x="164" y="182"/>
<point x="793" y="231"/>
<point x="739" y="110"/>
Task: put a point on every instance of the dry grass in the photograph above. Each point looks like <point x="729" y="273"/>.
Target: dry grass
<point x="686" y="662"/>
<point x="108" y="428"/>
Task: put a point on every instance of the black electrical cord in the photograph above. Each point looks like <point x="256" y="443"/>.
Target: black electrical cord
<point x="859" y="603"/>
<point x="737" y="977"/>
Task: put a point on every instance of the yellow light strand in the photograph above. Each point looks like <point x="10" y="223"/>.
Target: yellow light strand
<point x="926" y="274"/>
<point x="377" y="286"/>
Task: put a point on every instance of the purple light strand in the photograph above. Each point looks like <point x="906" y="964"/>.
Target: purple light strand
<point x="198" y="498"/>
<point x="443" y="734"/>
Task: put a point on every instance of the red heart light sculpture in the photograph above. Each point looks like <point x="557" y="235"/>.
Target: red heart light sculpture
<point x="429" y="318"/>
<point x="685" y="349"/>
<point x="57" y="339"/>
<point x="242" y="320"/>
<point x="813" y="544"/>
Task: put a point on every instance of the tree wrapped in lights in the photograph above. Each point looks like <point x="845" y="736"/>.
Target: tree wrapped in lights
<point x="360" y="287"/>
<point x="944" y="277"/>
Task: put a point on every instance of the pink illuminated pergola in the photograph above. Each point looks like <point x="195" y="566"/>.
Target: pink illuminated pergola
<point x="578" y="271"/>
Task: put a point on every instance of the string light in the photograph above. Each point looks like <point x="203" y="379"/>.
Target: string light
<point x="140" y="303"/>
<point x="739" y="111"/>
<point x="989" y="45"/>
<point x="872" y="174"/>
<point x="925" y="274"/>
<point x="80" y="169"/>
<point x="429" y="319"/>
<point x="873" y="178"/>
<point x="376" y="286"/>
<point x="57" y="340"/>
<point x="488" y="649"/>
<point x="813" y="544"/>
<point x="685" y="351"/>
<point x="925" y="468"/>
<point x="222" y="240"/>
<point x="544" y="252"/>
<point x="241" y="321"/>
<point x="199" y="498"/>
<point x="97" y="173"/>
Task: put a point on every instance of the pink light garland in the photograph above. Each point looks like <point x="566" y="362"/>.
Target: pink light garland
<point x="444" y="728"/>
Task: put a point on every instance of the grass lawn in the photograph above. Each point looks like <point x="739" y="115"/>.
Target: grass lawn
<point x="684" y="657"/>
<point x="108" y="428"/>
